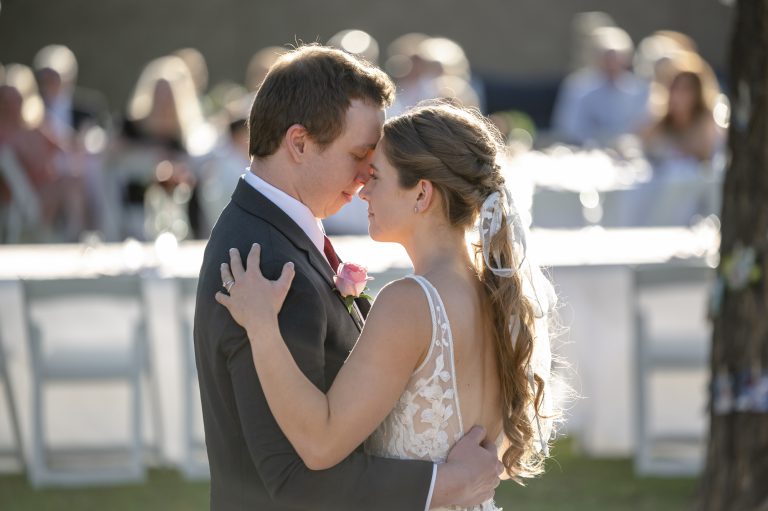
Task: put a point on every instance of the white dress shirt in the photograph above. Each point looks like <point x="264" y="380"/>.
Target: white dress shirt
<point x="313" y="228"/>
<point x="292" y="207"/>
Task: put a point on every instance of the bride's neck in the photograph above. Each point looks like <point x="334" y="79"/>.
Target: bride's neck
<point x="438" y="248"/>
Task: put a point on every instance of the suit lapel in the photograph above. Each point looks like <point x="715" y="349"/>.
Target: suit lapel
<point x="249" y="199"/>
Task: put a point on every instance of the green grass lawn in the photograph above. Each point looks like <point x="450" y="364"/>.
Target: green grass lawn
<point x="571" y="483"/>
<point x="577" y="483"/>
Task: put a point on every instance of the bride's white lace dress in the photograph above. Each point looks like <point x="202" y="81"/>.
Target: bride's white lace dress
<point x="426" y="420"/>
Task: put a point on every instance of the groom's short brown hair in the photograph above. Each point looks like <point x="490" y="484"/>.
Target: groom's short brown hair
<point x="312" y="86"/>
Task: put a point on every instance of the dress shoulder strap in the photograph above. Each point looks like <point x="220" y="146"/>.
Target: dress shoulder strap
<point x="436" y="307"/>
<point x="431" y="293"/>
<point x="441" y="345"/>
<point x="429" y="290"/>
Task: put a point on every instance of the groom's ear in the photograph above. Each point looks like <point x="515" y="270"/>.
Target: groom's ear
<point x="296" y="138"/>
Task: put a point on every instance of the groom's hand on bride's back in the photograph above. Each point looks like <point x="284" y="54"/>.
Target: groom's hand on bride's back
<point x="470" y="475"/>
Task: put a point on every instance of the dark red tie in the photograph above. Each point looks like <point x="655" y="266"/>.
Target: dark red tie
<point x="331" y="255"/>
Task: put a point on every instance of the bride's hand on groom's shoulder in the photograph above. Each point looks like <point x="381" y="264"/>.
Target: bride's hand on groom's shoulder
<point x="253" y="299"/>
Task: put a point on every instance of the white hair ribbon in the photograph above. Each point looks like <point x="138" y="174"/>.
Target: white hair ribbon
<point x="536" y="288"/>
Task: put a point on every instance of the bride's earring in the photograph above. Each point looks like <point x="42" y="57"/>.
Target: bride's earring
<point x="415" y="209"/>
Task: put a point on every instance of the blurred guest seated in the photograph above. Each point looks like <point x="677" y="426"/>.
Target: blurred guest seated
<point x="150" y="164"/>
<point x="686" y="131"/>
<point x="584" y="76"/>
<point x="197" y="67"/>
<point x="414" y="76"/>
<point x="598" y="107"/>
<point x="425" y="68"/>
<point x="66" y="103"/>
<point x="79" y="119"/>
<point x="221" y="169"/>
<point x="33" y="167"/>
<point x="198" y="70"/>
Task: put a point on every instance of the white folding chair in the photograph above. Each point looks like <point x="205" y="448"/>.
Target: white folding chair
<point x="194" y="464"/>
<point x="672" y="341"/>
<point x="16" y="450"/>
<point x="74" y="350"/>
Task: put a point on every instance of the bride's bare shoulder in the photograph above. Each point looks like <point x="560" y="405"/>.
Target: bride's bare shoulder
<point x="405" y="293"/>
<point x="403" y="304"/>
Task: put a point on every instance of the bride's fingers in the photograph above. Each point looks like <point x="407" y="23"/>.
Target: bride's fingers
<point x="254" y="258"/>
<point x="226" y="275"/>
<point x="286" y="277"/>
<point x="223" y="299"/>
<point x="236" y="264"/>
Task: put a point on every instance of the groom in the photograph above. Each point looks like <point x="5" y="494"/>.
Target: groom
<point x="313" y="127"/>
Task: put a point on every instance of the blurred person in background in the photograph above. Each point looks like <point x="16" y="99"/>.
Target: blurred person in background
<point x="163" y="129"/>
<point x="585" y="75"/>
<point x="68" y="105"/>
<point x="681" y="143"/>
<point x="686" y="132"/>
<point x="426" y="68"/>
<point x="79" y="119"/>
<point x="19" y="203"/>
<point x="198" y="69"/>
<point x="414" y="77"/>
<point x="657" y="60"/>
<point x="41" y="161"/>
<point x="358" y="43"/>
<point x="616" y="103"/>
<point x="455" y="82"/>
<point x="220" y="170"/>
<point x="259" y="65"/>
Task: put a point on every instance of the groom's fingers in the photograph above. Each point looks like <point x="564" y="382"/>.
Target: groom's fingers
<point x="236" y="264"/>
<point x="476" y="434"/>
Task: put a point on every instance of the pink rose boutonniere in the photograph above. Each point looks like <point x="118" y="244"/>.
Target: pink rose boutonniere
<point x="351" y="282"/>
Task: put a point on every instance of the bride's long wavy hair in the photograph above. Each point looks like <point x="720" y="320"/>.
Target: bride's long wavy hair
<point x="456" y="150"/>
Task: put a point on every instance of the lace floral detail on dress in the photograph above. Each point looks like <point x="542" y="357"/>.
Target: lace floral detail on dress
<point x="426" y="420"/>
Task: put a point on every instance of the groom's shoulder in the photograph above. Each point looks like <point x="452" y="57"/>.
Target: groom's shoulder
<point x="236" y="228"/>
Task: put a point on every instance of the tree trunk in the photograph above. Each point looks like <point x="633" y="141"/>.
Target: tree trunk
<point x="736" y="473"/>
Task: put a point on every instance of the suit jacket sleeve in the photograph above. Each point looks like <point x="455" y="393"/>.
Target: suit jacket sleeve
<point x="358" y="482"/>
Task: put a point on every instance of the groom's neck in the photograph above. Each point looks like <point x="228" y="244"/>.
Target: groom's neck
<point x="276" y="175"/>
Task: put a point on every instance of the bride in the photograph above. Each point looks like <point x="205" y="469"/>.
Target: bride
<point x="462" y="341"/>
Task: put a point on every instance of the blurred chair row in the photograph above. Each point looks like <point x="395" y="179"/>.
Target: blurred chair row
<point x="101" y="347"/>
<point x="94" y="330"/>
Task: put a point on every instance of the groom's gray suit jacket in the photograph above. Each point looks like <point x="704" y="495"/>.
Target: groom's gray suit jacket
<point x="253" y="466"/>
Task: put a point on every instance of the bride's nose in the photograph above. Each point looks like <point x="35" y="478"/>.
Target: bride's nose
<point x="363" y="193"/>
